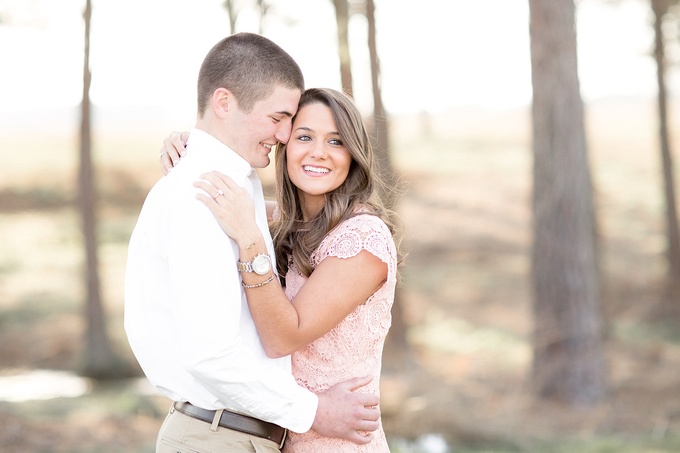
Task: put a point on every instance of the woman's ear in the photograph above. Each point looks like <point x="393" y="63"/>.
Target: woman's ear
<point x="222" y="101"/>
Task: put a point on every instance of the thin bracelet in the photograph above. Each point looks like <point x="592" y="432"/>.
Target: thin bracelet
<point x="259" y="284"/>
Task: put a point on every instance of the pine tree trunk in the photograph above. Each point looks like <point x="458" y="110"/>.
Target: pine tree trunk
<point x="397" y="354"/>
<point x="232" y="13"/>
<point x="98" y="359"/>
<point x="568" y="361"/>
<point x="671" y="301"/>
<point x="342" y="20"/>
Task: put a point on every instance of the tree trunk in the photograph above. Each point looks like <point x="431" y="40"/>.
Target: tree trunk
<point x="262" y="9"/>
<point x="380" y="120"/>
<point x="98" y="360"/>
<point x="342" y="20"/>
<point x="670" y="302"/>
<point x="568" y="358"/>
<point x="397" y="354"/>
<point x="232" y="12"/>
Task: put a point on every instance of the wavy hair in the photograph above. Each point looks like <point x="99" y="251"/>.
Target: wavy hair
<point x="296" y="239"/>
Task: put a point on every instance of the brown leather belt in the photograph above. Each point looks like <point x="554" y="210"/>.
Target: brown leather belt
<point x="237" y="422"/>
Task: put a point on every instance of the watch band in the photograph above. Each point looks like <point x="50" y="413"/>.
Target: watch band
<point x="244" y="266"/>
<point x="248" y="265"/>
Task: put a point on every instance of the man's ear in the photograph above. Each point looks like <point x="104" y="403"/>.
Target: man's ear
<point x="222" y="102"/>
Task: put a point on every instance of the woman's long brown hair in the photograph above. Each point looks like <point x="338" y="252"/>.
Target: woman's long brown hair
<point x="297" y="239"/>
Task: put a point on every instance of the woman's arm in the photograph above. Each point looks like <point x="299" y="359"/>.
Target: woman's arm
<point x="335" y="288"/>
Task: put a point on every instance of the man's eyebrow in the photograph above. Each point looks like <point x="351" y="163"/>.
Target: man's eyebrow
<point x="284" y="113"/>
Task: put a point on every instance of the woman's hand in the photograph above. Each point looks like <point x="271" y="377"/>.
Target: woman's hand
<point x="174" y="147"/>
<point x="232" y="207"/>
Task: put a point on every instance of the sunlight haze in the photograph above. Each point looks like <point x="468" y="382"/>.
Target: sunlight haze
<point x="443" y="55"/>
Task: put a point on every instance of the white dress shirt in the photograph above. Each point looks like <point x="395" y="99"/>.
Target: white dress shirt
<point x="186" y="314"/>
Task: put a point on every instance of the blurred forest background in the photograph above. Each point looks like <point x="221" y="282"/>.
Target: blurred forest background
<point x="533" y="143"/>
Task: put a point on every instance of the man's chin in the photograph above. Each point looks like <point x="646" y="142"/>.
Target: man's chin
<point x="262" y="163"/>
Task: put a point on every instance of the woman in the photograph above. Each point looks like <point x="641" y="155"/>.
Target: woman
<point x="335" y="255"/>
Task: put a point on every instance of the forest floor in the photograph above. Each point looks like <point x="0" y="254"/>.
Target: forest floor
<point x="465" y="299"/>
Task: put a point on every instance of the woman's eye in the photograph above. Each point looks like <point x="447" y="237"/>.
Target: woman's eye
<point x="304" y="138"/>
<point x="335" y="141"/>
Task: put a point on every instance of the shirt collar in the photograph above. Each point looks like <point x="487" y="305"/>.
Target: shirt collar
<point x="217" y="153"/>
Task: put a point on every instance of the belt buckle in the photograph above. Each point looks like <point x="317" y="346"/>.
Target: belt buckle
<point x="283" y="439"/>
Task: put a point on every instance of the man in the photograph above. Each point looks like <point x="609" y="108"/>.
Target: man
<point x="186" y="314"/>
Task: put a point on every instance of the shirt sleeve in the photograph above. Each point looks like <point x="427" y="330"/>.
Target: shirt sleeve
<point x="209" y="315"/>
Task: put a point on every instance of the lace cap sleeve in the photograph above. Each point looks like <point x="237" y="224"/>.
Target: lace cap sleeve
<point x="362" y="232"/>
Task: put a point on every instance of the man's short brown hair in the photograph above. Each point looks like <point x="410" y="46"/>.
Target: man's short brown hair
<point x="250" y="66"/>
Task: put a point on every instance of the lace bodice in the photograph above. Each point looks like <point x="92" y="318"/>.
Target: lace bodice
<point x="354" y="347"/>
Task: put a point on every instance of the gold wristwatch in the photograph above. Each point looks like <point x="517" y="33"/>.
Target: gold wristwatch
<point x="261" y="264"/>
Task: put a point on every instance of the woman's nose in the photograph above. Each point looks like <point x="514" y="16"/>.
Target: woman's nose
<point x="318" y="151"/>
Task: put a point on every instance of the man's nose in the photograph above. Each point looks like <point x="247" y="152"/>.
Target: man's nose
<point x="283" y="132"/>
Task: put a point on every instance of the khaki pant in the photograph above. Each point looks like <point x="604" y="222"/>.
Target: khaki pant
<point x="181" y="433"/>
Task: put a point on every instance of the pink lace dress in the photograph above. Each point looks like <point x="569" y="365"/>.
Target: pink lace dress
<point x="354" y="347"/>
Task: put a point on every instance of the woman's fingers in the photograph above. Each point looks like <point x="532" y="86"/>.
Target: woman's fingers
<point x="218" y="185"/>
<point x="207" y="187"/>
<point x="166" y="162"/>
<point x="174" y="147"/>
<point x="184" y="136"/>
<point x="216" y="189"/>
<point x="208" y="201"/>
<point x="221" y="181"/>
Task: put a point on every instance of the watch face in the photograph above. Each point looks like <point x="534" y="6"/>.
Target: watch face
<point x="261" y="264"/>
